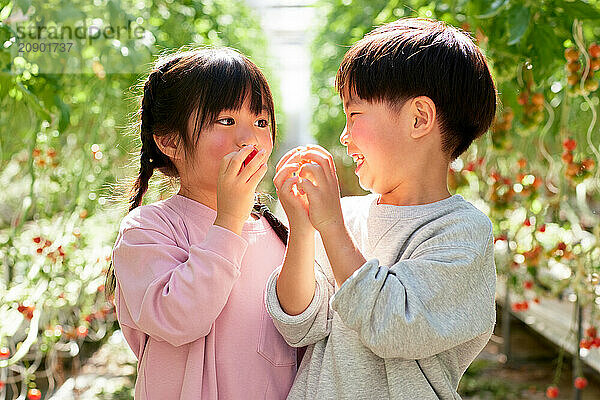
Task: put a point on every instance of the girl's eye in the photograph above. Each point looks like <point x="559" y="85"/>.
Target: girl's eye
<point x="262" y="123"/>
<point x="353" y="114"/>
<point x="226" y="121"/>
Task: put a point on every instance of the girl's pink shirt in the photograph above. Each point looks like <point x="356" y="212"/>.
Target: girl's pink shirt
<point x="190" y="302"/>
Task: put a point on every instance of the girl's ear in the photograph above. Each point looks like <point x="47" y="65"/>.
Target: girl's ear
<point x="423" y="114"/>
<point x="168" y="145"/>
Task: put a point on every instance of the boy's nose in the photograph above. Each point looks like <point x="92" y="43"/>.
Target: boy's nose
<point x="344" y="137"/>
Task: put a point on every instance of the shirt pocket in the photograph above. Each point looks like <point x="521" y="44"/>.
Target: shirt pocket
<point x="271" y="344"/>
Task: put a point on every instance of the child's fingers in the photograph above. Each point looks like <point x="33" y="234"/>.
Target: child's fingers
<point x="324" y="163"/>
<point x="235" y="163"/>
<point x="325" y="153"/>
<point x="284" y="173"/>
<point x="255" y="179"/>
<point x="305" y="186"/>
<point x="254" y="165"/>
<point x="287" y="156"/>
<point x="313" y="172"/>
<point x="225" y="163"/>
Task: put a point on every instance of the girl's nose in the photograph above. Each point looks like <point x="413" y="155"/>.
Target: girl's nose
<point x="246" y="137"/>
<point x="344" y="137"/>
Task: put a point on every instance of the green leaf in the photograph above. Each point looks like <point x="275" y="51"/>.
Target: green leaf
<point x="578" y="9"/>
<point x="518" y="22"/>
<point x="495" y="8"/>
<point x="23" y="5"/>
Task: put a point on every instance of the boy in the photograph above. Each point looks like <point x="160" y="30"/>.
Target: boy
<point x="399" y="299"/>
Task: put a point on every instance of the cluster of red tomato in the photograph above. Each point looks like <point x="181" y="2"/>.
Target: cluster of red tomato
<point x="575" y="76"/>
<point x="576" y="171"/>
<point x="49" y="159"/>
<point x="591" y="339"/>
<point x="45" y="243"/>
<point x="32" y="393"/>
<point x="533" y="107"/>
<point x="500" y="129"/>
<point x="26" y="310"/>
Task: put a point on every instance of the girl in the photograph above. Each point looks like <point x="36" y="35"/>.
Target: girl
<point x="189" y="271"/>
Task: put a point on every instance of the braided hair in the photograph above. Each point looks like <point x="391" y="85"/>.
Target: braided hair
<point x="205" y="82"/>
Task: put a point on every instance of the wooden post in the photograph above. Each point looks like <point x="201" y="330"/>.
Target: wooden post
<point x="577" y="361"/>
<point x="506" y="324"/>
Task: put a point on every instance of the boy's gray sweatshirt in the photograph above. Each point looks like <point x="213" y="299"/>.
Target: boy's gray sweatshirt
<point x="409" y="321"/>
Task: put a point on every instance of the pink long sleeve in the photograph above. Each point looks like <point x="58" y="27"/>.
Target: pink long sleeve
<point x="172" y="295"/>
<point x="189" y="300"/>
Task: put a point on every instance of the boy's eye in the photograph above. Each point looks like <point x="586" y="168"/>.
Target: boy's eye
<point x="226" y="121"/>
<point x="353" y="114"/>
<point x="262" y="123"/>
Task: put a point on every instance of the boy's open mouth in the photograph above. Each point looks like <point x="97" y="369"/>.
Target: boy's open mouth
<point x="359" y="159"/>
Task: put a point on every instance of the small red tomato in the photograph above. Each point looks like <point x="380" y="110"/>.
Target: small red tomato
<point x="561" y="246"/>
<point x="569" y="144"/>
<point x="567" y="157"/>
<point x="82" y="331"/>
<point x="543" y="228"/>
<point x="1" y="385"/>
<point x="527" y="222"/>
<point x="552" y="392"/>
<point x="528" y="284"/>
<point x="522" y="163"/>
<point x="4" y="353"/>
<point x="594" y="50"/>
<point x="580" y="382"/>
<point x="525" y="306"/>
<point x="536" y="300"/>
<point x="37" y="239"/>
<point x="34" y="394"/>
<point x="586" y="343"/>
<point x="591" y="332"/>
<point x="588" y="164"/>
<point x="571" y="54"/>
<point x="538" y="99"/>
<point x="596" y="342"/>
<point x="250" y="156"/>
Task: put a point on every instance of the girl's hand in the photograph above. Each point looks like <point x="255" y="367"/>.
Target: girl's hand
<point x="236" y="187"/>
<point x="295" y="204"/>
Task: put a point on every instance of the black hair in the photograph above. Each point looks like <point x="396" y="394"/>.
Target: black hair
<point x="203" y="82"/>
<point x="423" y="57"/>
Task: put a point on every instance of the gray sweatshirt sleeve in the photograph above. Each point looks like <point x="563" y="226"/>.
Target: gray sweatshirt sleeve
<point x="313" y="324"/>
<point x="421" y="306"/>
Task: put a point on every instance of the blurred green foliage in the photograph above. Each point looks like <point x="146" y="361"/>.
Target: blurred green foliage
<point x="68" y="139"/>
<point x="524" y="42"/>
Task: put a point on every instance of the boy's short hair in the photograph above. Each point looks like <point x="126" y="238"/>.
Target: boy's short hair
<point x="422" y="57"/>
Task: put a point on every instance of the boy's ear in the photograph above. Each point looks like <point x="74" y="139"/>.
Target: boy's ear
<point x="168" y="145"/>
<point x="423" y="115"/>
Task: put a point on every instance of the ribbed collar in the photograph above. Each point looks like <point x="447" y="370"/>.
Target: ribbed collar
<point x="389" y="211"/>
<point x="201" y="213"/>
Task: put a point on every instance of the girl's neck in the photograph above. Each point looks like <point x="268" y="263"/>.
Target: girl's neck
<point x="206" y="199"/>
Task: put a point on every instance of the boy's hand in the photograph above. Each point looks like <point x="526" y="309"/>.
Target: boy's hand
<point x="295" y="204"/>
<point x="236" y="187"/>
<point x="320" y="185"/>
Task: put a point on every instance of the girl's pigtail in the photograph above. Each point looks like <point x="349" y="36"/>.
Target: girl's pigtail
<point x="280" y="229"/>
<point x="150" y="158"/>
